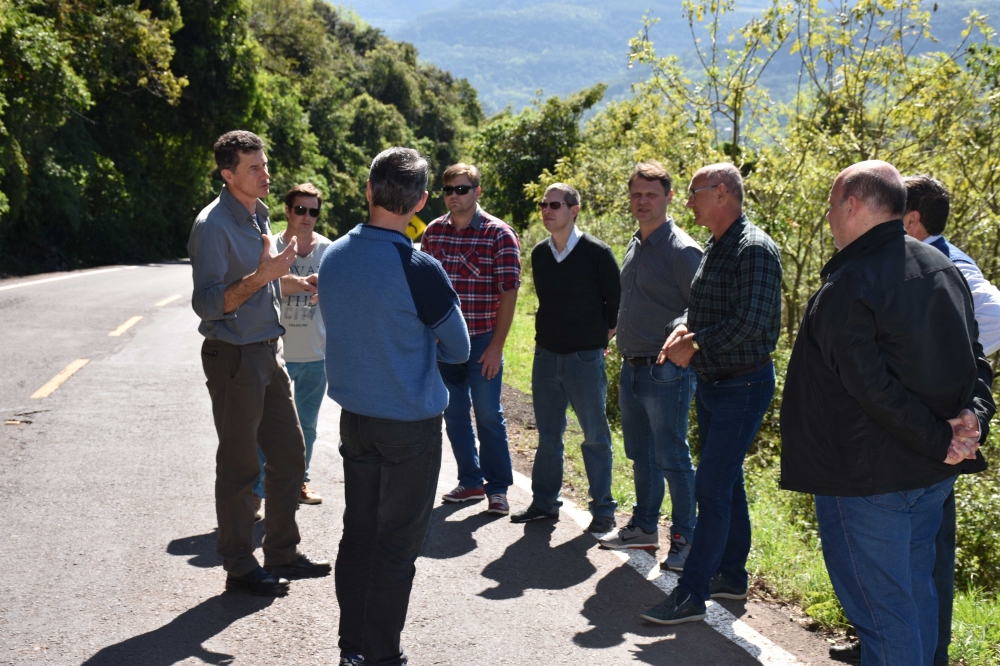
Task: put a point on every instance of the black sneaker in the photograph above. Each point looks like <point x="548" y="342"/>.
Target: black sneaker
<point x="601" y="525"/>
<point x="721" y="587"/>
<point x="532" y="513"/>
<point x="301" y="567"/>
<point x="259" y="581"/>
<point x="849" y="653"/>
<point x="679" y="607"/>
<point x="352" y="660"/>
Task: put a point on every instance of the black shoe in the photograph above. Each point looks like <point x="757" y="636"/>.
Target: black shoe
<point x="259" y="582"/>
<point x="532" y="513"/>
<point x="601" y="525"/>
<point x="301" y="567"/>
<point x="679" y="607"/>
<point x="721" y="587"/>
<point x="849" y="653"/>
<point x="352" y="660"/>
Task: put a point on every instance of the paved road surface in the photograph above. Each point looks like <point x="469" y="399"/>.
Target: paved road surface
<point x="107" y="538"/>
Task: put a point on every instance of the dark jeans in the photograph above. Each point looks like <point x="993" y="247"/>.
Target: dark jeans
<point x="390" y="479"/>
<point x="729" y="414"/>
<point x="252" y="405"/>
<point x="944" y="578"/>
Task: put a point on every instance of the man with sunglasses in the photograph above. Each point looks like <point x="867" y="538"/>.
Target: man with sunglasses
<point x="304" y="340"/>
<point x="481" y="255"/>
<point x="576" y="278"/>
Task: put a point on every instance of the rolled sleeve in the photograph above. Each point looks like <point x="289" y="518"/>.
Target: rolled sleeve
<point x="208" y="248"/>
<point x="507" y="262"/>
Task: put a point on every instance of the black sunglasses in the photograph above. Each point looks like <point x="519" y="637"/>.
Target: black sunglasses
<point x="460" y="190"/>
<point x="301" y="210"/>
<point x="554" y="205"/>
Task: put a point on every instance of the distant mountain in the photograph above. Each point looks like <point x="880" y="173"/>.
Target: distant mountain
<point x="509" y="49"/>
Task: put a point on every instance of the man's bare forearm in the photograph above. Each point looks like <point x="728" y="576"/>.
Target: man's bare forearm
<point x="240" y="292"/>
<point x="505" y="317"/>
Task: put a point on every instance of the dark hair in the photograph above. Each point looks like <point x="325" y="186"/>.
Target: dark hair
<point x="399" y="179"/>
<point x="878" y="189"/>
<point x="303" y="190"/>
<point x="461" y="169"/>
<point x="230" y="145"/>
<point x="652" y="170"/>
<point x="929" y="197"/>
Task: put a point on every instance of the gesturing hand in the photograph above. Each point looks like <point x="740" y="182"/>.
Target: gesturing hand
<point x="964" y="439"/>
<point x="273" y="267"/>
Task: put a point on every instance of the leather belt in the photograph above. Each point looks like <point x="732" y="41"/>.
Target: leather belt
<point x="640" y="361"/>
<point x="737" y="371"/>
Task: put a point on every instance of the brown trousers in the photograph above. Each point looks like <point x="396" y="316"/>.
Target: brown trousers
<point x="252" y="405"/>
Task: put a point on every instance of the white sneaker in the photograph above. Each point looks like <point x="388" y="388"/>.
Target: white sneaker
<point x="631" y="536"/>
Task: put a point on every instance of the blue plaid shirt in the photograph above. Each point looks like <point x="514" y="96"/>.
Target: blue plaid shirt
<point x="735" y="306"/>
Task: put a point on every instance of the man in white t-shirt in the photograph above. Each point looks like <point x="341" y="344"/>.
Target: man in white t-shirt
<point x="305" y="334"/>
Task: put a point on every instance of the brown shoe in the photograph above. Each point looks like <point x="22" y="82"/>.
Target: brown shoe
<point x="307" y="496"/>
<point x="257" y="515"/>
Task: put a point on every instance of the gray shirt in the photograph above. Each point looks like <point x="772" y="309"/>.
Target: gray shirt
<point x="656" y="283"/>
<point x="225" y="246"/>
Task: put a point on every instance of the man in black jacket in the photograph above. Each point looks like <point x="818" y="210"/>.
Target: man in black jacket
<point x="886" y="399"/>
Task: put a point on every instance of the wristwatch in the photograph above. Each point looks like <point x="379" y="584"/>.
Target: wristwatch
<point x="694" y="343"/>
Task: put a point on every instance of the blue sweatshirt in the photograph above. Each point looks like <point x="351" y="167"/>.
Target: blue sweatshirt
<point x="390" y="314"/>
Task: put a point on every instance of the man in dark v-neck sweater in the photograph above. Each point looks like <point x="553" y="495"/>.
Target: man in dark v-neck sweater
<point x="577" y="281"/>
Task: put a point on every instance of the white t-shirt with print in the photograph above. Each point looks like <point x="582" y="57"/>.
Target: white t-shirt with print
<point x="305" y="333"/>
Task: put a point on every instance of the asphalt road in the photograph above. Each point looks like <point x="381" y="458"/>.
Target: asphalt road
<point x="107" y="538"/>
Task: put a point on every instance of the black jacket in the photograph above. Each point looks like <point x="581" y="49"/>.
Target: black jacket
<point x="887" y="351"/>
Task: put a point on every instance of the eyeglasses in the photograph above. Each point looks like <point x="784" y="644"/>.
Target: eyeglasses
<point x="691" y="193"/>
<point x="301" y="210"/>
<point x="460" y="190"/>
<point x="554" y="205"/>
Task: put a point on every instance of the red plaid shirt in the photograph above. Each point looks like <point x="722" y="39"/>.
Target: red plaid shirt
<point x="482" y="260"/>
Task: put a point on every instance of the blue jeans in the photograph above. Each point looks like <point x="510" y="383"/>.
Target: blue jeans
<point x="577" y="379"/>
<point x="729" y="414"/>
<point x="880" y="553"/>
<point x="390" y="478"/>
<point x="309" y="381"/>
<point x="654" y="402"/>
<point x="468" y="388"/>
<point x="944" y="578"/>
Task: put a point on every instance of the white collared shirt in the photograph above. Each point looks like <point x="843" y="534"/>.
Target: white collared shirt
<point x="571" y="242"/>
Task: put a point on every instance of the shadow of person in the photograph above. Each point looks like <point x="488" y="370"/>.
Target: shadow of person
<point x="453" y="538"/>
<point x="531" y="563"/>
<point x="202" y="547"/>
<point x="182" y="637"/>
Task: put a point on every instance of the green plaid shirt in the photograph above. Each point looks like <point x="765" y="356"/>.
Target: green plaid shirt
<point x="735" y="306"/>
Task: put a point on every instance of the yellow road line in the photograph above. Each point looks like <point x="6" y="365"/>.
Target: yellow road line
<point x="57" y="381"/>
<point x="124" y="327"/>
<point x="168" y="300"/>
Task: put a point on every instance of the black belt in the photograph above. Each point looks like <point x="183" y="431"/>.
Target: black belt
<point x="640" y="361"/>
<point x="737" y="371"/>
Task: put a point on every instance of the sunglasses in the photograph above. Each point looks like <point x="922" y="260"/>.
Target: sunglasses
<point x="301" y="210"/>
<point x="460" y="190"/>
<point x="554" y="205"/>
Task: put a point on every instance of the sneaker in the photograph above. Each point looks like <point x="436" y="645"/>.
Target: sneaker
<point x="352" y="660"/>
<point x="532" y="513"/>
<point x="631" y="536"/>
<point x="849" y="653"/>
<point x="679" y="607"/>
<point x="601" y="525"/>
<point x="308" y="496"/>
<point x="463" y="494"/>
<point x="720" y="587"/>
<point x="680" y="548"/>
<point x="257" y="515"/>
<point x="498" y="505"/>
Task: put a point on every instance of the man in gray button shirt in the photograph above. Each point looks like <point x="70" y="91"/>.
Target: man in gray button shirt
<point x="655" y="397"/>
<point x="237" y="296"/>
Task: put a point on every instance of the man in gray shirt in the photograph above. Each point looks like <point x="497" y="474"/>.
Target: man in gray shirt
<point x="237" y="295"/>
<point x="655" y="397"/>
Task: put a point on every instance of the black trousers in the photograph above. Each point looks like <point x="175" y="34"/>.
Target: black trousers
<point x="390" y="480"/>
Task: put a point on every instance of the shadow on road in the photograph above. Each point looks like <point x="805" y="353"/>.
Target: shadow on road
<point x="201" y="547"/>
<point x="453" y="538"/>
<point x="182" y="638"/>
<point x="531" y="563"/>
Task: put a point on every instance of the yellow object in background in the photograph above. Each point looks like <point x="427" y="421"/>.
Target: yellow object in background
<point x="415" y="228"/>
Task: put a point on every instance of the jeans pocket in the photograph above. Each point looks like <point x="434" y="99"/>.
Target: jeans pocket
<point x="590" y="356"/>
<point x="896" y="501"/>
<point x="666" y="373"/>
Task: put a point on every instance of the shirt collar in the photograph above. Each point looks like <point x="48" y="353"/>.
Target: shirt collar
<point x="477" y="219"/>
<point x="239" y="211"/>
<point x="874" y="237"/>
<point x="571" y="242"/>
<point x="732" y="234"/>
<point x="662" y="232"/>
<point x="931" y="239"/>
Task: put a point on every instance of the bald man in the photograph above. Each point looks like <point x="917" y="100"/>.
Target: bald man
<point x="886" y="399"/>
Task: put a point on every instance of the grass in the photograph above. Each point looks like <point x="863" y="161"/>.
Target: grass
<point x="786" y="561"/>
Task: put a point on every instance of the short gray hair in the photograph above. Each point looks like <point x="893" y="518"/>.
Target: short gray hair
<point x="570" y="195"/>
<point x="399" y="179"/>
<point x="728" y="175"/>
<point x="881" y="190"/>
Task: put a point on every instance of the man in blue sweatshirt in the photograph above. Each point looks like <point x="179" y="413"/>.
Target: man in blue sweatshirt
<point x="391" y="314"/>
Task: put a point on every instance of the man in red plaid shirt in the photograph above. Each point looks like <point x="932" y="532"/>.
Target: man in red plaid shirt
<point x="481" y="255"/>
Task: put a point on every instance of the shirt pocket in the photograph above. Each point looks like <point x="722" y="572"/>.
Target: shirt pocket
<point x="468" y="264"/>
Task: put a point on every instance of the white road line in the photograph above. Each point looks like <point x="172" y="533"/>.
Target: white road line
<point x="758" y="646"/>
<point x="61" y="277"/>
<point x="168" y="300"/>
<point x="57" y="381"/>
<point x="124" y="327"/>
